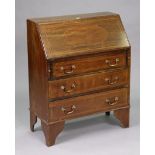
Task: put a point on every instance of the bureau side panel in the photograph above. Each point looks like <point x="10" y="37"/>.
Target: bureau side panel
<point x="38" y="77"/>
<point x="129" y="71"/>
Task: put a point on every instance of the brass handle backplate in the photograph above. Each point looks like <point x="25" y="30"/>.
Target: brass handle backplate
<point x="66" y="71"/>
<point x="68" y="90"/>
<point x="112" y="101"/>
<point x="114" y="64"/>
<point x="68" y="112"/>
<point x="112" y="81"/>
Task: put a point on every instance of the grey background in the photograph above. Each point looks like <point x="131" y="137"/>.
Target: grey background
<point x="89" y="135"/>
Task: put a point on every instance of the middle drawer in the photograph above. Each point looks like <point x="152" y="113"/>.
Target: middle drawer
<point x="82" y="84"/>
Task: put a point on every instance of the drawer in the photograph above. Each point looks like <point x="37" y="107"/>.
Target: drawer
<point x="88" y="64"/>
<point x="82" y="84"/>
<point x="84" y="105"/>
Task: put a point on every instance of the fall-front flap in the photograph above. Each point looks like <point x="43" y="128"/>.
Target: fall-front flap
<point x="81" y="34"/>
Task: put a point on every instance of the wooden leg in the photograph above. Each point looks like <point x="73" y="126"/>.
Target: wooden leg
<point x="51" y="131"/>
<point x="123" y="116"/>
<point x="107" y="113"/>
<point x="33" y="120"/>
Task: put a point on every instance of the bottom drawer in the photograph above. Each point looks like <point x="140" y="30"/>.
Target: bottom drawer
<point x="87" y="104"/>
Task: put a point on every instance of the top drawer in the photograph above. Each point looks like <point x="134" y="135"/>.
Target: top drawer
<point x="87" y="64"/>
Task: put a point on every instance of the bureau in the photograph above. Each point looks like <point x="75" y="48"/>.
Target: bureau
<point x="78" y="65"/>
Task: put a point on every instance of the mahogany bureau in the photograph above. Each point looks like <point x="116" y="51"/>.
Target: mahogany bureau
<point x="78" y="65"/>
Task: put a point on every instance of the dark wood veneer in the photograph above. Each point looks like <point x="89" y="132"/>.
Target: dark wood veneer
<point x="78" y="65"/>
<point x="88" y="64"/>
<point x="86" y="83"/>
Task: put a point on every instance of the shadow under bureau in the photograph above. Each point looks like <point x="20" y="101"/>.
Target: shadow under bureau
<point x="78" y="65"/>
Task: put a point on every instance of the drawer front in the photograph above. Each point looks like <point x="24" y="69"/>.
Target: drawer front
<point x="92" y="63"/>
<point x="84" y="105"/>
<point x="86" y="83"/>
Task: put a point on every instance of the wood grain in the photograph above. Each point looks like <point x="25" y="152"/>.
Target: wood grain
<point x="82" y="35"/>
<point x="88" y="103"/>
<point x="51" y="131"/>
<point x="89" y="64"/>
<point x="86" y="83"/>
<point x="78" y="65"/>
<point x="123" y="116"/>
<point x="38" y="74"/>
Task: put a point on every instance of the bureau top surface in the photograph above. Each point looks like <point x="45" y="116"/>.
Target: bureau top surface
<point x="73" y="35"/>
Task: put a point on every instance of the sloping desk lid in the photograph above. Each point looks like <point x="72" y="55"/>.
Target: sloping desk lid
<point x="81" y="34"/>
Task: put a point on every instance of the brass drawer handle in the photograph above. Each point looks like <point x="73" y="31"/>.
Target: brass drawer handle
<point x="68" y="112"/>
<point x="111" y="101"/>
<point x="68" y="71"/>
<point x="111" y="82"/>
<point x="70" y="90"/>
<point x="112" y="65"/>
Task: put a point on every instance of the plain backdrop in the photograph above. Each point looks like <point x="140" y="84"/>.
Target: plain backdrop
<point x="94" y="135"/>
